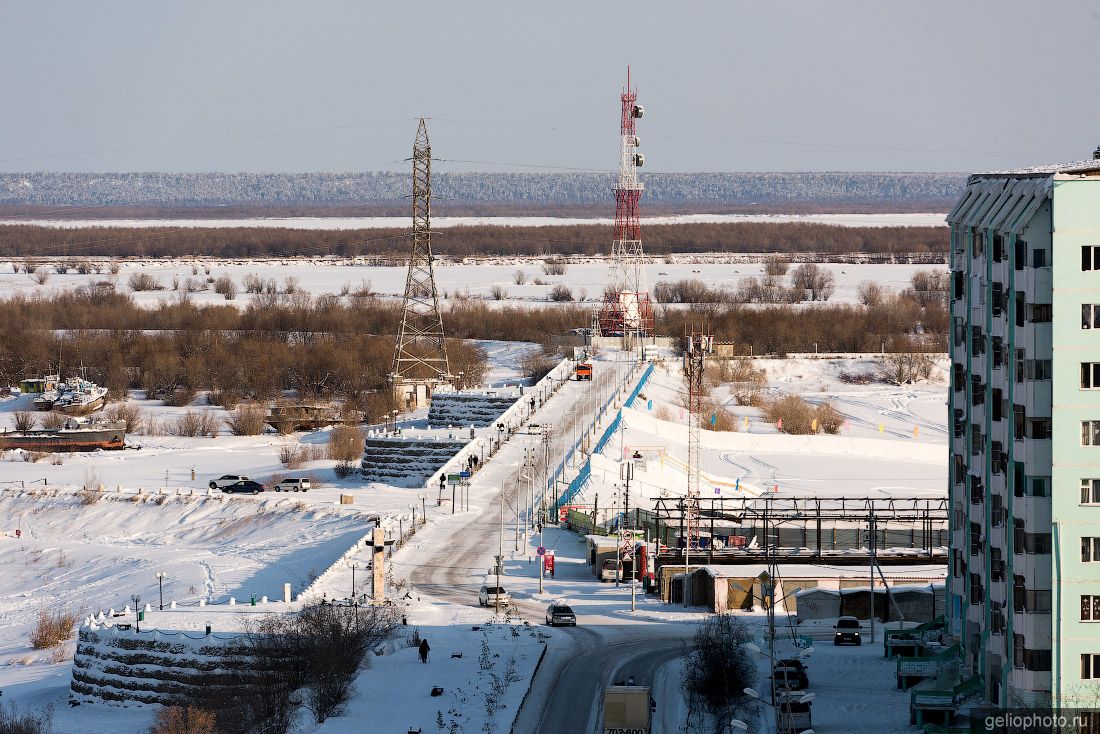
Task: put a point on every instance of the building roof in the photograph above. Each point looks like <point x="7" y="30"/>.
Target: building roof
<point x="1077" y="167"/>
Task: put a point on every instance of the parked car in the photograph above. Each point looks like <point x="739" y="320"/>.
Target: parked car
<point x="790" y="673"/>
<point x="490" y="596"/>
<point x="846" y="632"/>
<point x="293" y="484"/>
<point x="248" y="486"/>
<point x="558" y="613"/>
<point x="226" y="479"/>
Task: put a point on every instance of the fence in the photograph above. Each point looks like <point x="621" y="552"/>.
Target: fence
<point x="585" y="473"/>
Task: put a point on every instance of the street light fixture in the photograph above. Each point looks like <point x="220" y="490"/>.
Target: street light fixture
<point x="136" y="599"/>
<point x="160" y="582"/>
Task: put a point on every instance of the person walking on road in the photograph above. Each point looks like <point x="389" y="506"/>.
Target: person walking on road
<point x="424" y="650"/>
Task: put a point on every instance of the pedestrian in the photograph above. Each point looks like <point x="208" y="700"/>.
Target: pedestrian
<point x="424" y="650"/>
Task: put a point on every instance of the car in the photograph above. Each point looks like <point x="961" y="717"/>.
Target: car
<point x="490" y="596"/>
<point x="247" y="486"/>
<point x="846" y="631"/>
<point x="558" y="613"/>
<point x="790" y="673"/>
<point x="293" y="484"/>
<point x="226" y="479"/>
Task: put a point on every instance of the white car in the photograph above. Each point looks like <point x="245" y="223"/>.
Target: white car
<point x="293" y="484"/>
<point x="490" y="596"/>
<point x="227" y="479"/>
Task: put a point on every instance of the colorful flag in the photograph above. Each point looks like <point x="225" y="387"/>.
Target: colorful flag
<point x="737" y="485"/>
<point x="779" y="424"/>
<point x="649" y="404"/>
<point x="713" y="418"/>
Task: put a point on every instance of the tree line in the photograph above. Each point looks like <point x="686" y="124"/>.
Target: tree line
<point x="22" y="241"/>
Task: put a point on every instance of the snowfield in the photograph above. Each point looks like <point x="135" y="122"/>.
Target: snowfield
<point x="932" y="219"/>
<point x="475" y="280"/>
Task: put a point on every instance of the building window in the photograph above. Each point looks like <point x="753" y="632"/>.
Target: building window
<point x="1038" y="428"/>
<point x="1039" y="258"/>
<point x="1090" y="257"/>
<point x="1090" y="433"/>
<point x="1040" y="313"/>
<point x="977" y="243"/>
<point x="1019" y="422"/>
<point x="1090" y="608"/>
<point x="1090" y="550"/>
<point x="1090" y="315"/>
<point x="1038" y="369"/>
<point x="1090" y="491"/>
<point x="1040" y="486"/>
<point x="1090" y="667"/>
<point x="1090" y="375"/>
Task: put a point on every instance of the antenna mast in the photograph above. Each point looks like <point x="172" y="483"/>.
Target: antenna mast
<point x="627" y="310"/>
<point x="420" y="357"/>
<point x="698" y="345"/>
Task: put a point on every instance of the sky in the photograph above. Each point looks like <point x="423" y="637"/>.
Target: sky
<point x="272" y="86"/>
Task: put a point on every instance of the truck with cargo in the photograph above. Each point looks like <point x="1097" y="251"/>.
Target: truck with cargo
<point x="627" y="710"/>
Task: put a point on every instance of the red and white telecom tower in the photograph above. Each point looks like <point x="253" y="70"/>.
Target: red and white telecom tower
<point x="627" y="309"/>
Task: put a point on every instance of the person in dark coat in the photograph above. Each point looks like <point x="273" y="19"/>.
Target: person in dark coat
<point x="424" y="650"/>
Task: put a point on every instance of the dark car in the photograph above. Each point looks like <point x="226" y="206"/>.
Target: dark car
<point x="846" y="632"/>
<point x="791" y="673"/>
<point x="247" y="486"/>
<point x="560" y="614"/>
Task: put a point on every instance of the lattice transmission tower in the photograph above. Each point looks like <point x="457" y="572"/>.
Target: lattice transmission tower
<point x="699" y="344"/>
<point x="627" y="309"/>
<point x="420" y="357"/>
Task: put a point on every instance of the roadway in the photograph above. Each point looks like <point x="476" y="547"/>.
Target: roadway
<point x="606" y="646"/>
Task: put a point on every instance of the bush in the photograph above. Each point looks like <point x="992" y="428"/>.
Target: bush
<point x="180" y="398"/>
<point x="52" y="421"/>
<point x="537" y="365"/>
<point x="40" y="275"/>
<point x="144" y="282"/>
<point x="561" y="293"/>
<point x="800" y="417"/>
<point x="810" y="280"/>
<point x="14" y="721"/>
<point x="870" y="293"/>
<point x="114" y="267"/>
<point x="902" y="367"/>
<point x="88" y="496"/>
<point x="247" y="420"/>
<point x="519" y="277"/>
<point x="52" y="629"/>
<point x="498" y="292"/>
<point x="187" y="425"/>
<point x="184" y="720"/>
<point x="290" y="456"/>
<point x="554" y="266"/>
<point x="345" y="444"/>
<point x="253" y="283"/>
<point x="776" y="266"/>
<point x="132" y="414"/>
<point x="225" y="286"/>
<point x="25" y="420"/>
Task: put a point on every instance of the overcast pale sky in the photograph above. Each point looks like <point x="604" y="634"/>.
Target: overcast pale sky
<point x="727" y="86"/>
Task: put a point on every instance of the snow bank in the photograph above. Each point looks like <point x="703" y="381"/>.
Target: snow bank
<point x="820" y="444"/>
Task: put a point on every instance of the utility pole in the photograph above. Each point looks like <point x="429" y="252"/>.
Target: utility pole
<point x="500" y="556"/>
<point x="872" y="541"/>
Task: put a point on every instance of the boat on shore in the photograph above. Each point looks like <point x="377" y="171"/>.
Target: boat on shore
<point x="76" y="434"/>
<point x="79" y="397"/>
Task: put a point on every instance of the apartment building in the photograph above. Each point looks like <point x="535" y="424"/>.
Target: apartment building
<point x="1024" y="576"/>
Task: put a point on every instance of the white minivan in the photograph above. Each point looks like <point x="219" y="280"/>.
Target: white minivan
<point x="293" y="484"/>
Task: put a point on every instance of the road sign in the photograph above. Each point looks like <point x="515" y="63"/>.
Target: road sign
<point x="454" y="478"/>
<point x="627" y="535"/>
<point x="541" y="551"/>
<point x="464" y="474"/>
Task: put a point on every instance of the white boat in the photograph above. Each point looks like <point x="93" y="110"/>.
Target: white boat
<point x="80" y="397"/>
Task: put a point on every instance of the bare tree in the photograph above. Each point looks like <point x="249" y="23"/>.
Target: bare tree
<point x="25" y="420"/>
<point x="870" y="293"/>
<point x="719" y="668"/>
<point x="776" y="266"/>
<point x="519" y="277"/>
<point x="498" y="292"/>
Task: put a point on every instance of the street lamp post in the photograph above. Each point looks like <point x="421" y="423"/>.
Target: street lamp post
<point x="136" y="599"/>
<point x="160" y="582"/>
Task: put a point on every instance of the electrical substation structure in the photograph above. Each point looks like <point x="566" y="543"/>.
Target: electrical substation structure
<point x="420" y="364"/>
<point x="627" y="310"/>
<point x="698" y="344"/>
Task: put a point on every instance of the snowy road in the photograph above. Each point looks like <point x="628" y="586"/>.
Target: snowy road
<point x="606" y="645"/>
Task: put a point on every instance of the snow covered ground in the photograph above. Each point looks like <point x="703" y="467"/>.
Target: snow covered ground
<point x="455" y="281"/>
<point x="214" y="547"/>
<point x="893" y="441"/>
<point x="933" y="219"/>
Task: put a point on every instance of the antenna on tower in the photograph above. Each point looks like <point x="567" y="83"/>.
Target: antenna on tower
<point x="627" y="310"/>
<point x="420" y="357"/>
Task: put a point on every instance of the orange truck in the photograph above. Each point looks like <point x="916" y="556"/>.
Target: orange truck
<point x="584" y="370"/>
